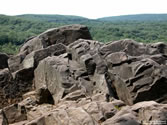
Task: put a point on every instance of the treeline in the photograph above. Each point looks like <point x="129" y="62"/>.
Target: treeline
<point x="15" y="30"/>
<point x="139" y="31"/>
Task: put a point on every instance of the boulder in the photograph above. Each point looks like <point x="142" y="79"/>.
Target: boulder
<point x="136" y="76"/>
<point x="133" y="48"/>
<point x="32" y="59"/>
<point x="86" y="53"/>
<point x="23" y="78"/>
<point x="140" y="81"/>
<point x="3" y="60"/>
<point x="73" y="81"/>
<point x="73" y="71"/>
<point x="15" y="62"/>
<point x="58" y="73"/>
<point x="150" y="112"/>
<point x="128" y="46"/>
<point x="64" y="35"/>
<point x="146" y="112"/>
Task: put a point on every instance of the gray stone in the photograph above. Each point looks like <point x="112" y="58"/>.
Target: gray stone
<point x="64" y="35"/>
<point x="32" y="59"/>
<point x="3" y="119"/>
<point x="15" y="113"/>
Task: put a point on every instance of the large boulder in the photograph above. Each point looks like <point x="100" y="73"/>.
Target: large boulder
<point x="87" y="54"/>
<point x="23" y="77"/>
<point x="141" y="80"/>
<point x="3" y="60"/>
<point x="134" y="48"/>
<point x="73" y="73"/>
<point x="64" y="35"/>
<point x="49" y="43"/>
<point x="61" y="76"/>
<point x="32" y="59"/>
<point x="137" y="71"/>
<point x="15" y="62"/>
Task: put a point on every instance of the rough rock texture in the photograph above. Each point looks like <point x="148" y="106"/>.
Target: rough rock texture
<point x="5" y="78"/>
<point x="3" y="60"/>
<point x="58" y="76"/>
<point x="15" y="62"/>
<point x="63" y="75"/>
<point x="32" y="59"/>
<point x="150" y="113"/>
<point x="15" y="113"/>
<point x="90" y="111"/>
<point x="60" y="79"/>
<point x="3" y="119"/>
<point x="137" y="74"/>
<point x="64" y="35"/>
<point x="49" y="43"/>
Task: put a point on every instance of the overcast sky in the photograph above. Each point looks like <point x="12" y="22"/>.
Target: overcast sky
<point x="86" y="8"/>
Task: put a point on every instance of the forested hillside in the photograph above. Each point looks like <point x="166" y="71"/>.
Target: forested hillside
<point x="14" y="30"/>
<point x="137" y="17"/>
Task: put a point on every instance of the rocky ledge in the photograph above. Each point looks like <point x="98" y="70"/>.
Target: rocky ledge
<point x="63" y="77"/>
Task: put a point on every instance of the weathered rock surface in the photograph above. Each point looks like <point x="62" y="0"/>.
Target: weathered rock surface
<point x="49" y="43"/>
<point x="15" y="113"/>
<point x="58" y="75"/>
<point x="137" y="76"/>
<point x="5" y="78"/>
<point x="60" y="79"/>
<point x="88" y="111"/>
<point x="32" y="59"/>
<point x="3" y="119"/>
<point x="64" y="35"/>
<point x="15" y="62"/>
<point x="141" y="113"/>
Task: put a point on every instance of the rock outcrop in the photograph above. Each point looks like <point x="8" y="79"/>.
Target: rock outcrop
<point x="62" y="77"/>
<point x="50" y="43"/>
<point x="138" y="74"/>
<point x="64" y="35"/>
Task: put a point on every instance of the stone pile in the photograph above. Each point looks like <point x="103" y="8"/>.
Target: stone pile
<point x="63" y="77"/>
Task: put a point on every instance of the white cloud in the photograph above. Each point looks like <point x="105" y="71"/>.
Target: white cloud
<point x="86" y="8"/>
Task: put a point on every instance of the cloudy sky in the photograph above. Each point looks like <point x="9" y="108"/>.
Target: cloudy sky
<point x="86" y="8"/>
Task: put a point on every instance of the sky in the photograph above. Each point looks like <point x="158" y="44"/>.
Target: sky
<point x="86" y="8"/>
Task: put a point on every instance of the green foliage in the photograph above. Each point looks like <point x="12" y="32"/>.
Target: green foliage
<point x="14" y="30"/>
<point x="136" y="17"/>
<point x="9" y="48"/>
<point x="117" y="107"/>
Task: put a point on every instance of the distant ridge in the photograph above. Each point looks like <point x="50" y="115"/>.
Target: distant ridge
<point x="136" y="17"/>
<point x="78" y="19"/>
<point x="52" y="18"/>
